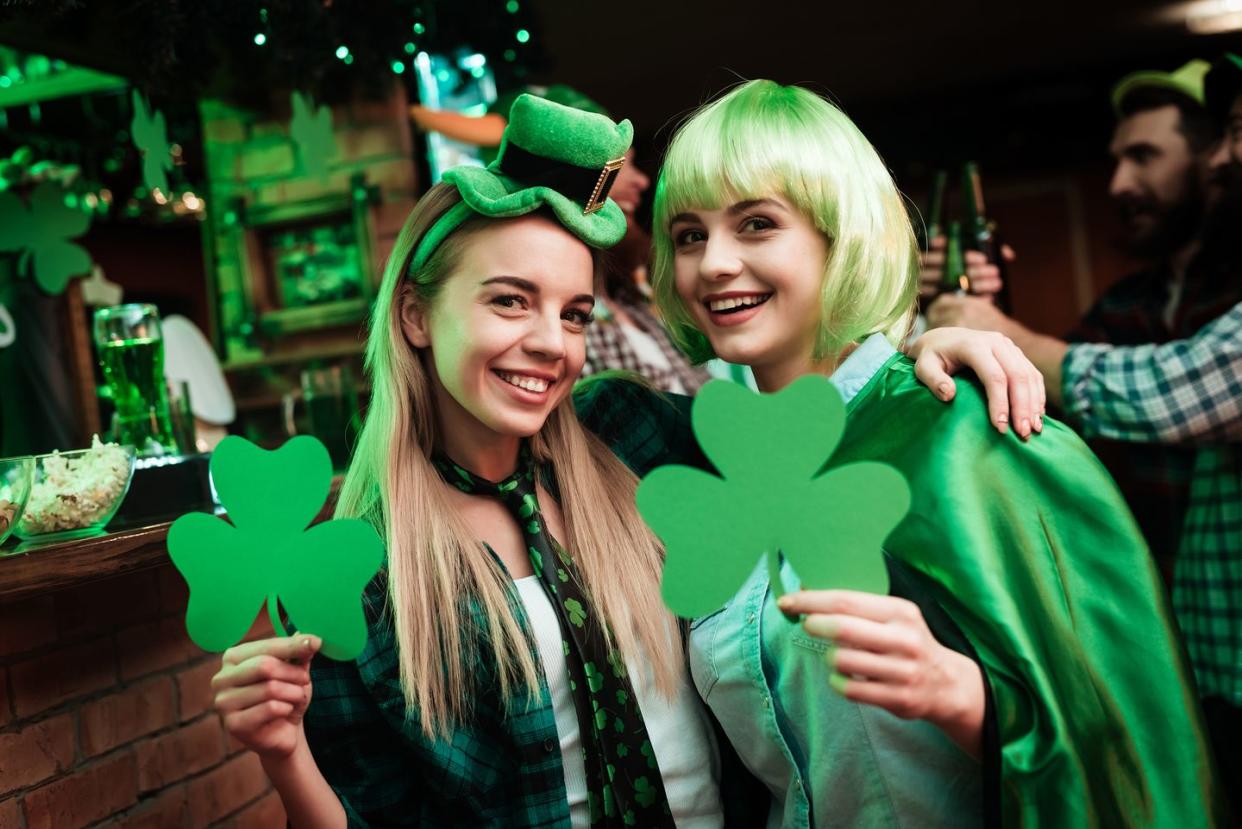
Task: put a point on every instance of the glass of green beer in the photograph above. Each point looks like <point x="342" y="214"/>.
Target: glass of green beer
<point x="131" y="354"/>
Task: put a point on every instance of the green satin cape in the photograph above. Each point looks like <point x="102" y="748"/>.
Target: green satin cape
<point x="1031" y="550"/>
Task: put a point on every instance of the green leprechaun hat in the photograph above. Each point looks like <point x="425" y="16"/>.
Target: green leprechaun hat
<point x="551" y="156"/>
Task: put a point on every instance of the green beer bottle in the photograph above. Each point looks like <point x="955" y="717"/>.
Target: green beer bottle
<point x="954" y="279"/>
<point x="981" y="232"/>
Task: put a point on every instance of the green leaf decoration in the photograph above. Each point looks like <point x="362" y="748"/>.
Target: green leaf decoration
<point x="151" y="138"/>
<point x="311" y="130"/>
<point x="41" y="232"/>
<point x="644" y="792"/>
<point x="265" y="552"/>
<point x="595" y="680"/>
<point x="770" y="498"/>
<point x="577" y="613"/>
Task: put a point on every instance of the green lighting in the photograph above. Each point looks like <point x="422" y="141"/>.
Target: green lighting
<point x="419" y="28"/>
<point x="510" y="55"/>
<point x="398" y="66"/>
<point x="260" y="39"/>
<point x="349" y="59"/>
<point x="522" y="36"/>
<point x="511" y="6"/>
<point x="263" y="15"/>
<point x="342" y="52"/>
<point x="410" y="48"/>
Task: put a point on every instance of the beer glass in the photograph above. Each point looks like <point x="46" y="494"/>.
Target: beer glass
<point x="131" y="354"/>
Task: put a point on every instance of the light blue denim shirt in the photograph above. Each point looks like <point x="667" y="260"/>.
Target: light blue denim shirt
<point x="827" y="761"/>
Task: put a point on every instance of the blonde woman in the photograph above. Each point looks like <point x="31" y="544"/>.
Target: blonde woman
<point x="1025" y="670"/>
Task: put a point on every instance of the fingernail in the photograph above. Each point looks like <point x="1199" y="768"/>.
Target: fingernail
<point x="784" y="602"/>
<point x="837" y="682"/>
<point x="944" y="389"/>
<point x="1039" y="423"/>
<point x="1025" y="426"/>
<point x="821" y="626"/>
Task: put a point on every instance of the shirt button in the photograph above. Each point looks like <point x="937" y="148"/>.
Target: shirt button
<point x="549" y="746"/>
<point x="767" y="702"/>
<point x="750" y="620"/>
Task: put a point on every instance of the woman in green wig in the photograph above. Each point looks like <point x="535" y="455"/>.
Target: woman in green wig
<point x="1025" y="670"/>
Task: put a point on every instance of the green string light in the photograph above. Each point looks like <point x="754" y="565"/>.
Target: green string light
<point x="510" y="55"/>
<point x="398" y="66"/>
<point x="419" y="28"/>
<point x="522" y="36"/>
<point x="511" y="6"/>
<point x="410" y="48"/>
<point x="260" y="39"/>
<point x="342" y="52"/>
<point x="349" y="59"/>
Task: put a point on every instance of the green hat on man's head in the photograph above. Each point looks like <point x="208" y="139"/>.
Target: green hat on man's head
<point x="551" y="156"/>
<point x="1187" y="79"/>
<point x="1223" y="84"/>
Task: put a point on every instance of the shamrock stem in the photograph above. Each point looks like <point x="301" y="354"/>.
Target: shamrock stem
<point x="774" y="579"/>
<point x="273" y="613"/>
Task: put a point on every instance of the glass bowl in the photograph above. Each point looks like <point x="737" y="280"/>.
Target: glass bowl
<point x="16" y="476"/>
<point x="75" y="494"/>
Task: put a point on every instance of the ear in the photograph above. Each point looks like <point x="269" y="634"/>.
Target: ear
<point x="414" y="318"/>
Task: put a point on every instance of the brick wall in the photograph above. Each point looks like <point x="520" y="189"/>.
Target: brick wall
<point x="105" y="715"/>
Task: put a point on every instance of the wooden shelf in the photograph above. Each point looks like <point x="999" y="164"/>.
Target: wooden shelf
<point x="33" y="569"/>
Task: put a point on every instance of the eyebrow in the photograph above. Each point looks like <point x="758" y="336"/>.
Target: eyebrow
<point x="733" y="210"/>
<point x="531" y="288"/>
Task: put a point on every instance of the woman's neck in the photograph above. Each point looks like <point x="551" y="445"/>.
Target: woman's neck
<point x="777" y="375"/>
<point x="492" y="460"/>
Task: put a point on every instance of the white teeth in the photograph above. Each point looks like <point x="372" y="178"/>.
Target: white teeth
<point x="534" y="384"/>
<point x="736" y="302"/>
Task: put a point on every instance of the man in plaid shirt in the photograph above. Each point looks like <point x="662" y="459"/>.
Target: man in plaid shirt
<point x="1187" y="392"/>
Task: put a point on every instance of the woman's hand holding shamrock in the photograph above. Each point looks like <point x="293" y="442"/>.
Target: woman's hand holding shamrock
<point x="262" y="691"/>
<point x="884" y="655"/>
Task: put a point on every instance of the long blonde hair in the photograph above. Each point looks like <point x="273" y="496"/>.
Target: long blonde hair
<point x="438" y="571"/>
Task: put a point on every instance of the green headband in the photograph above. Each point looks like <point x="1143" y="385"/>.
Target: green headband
<point x="551" y="156"/>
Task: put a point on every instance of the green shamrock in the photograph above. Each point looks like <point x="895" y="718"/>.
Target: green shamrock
<point x="311" y="130"/>
<point x="644" y="792"/>
<point x="770" y="498"/>
<point x="595" y="680"/>
<point x="151" y="138"/>
<point x="42" y="234"/>
<point x="577" y="613"/>
<point x="265" y="551"/>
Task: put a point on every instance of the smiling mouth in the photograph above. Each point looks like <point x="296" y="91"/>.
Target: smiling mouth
<point x="538" y="385"/>
<point x="735" y="304"/>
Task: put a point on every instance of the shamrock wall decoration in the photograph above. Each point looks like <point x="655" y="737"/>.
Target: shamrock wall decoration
<point x="267" y="552"/>
<point x="770" y="499"/>
<point x="151" y="138"/>
<point x="311" y="130"/>
<point x="41" y="233"/>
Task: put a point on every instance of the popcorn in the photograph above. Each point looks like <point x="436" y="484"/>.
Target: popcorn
<point x="77" y="491"/>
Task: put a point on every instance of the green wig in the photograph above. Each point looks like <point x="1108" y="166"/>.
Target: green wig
<point x="763" y="139"/>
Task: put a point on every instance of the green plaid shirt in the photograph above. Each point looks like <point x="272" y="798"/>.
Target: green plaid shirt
<point x="501" y="769"/>
<point x="1186" y="391"/>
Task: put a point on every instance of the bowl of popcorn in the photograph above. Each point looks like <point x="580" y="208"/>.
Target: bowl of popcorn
<point x="16" y="476"/>
<point x="75" y="494"/>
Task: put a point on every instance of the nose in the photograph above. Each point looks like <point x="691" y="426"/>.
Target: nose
<point x="545" y="338"/>
<point x="720" y="261"/>
<point x="1124" y="181"/>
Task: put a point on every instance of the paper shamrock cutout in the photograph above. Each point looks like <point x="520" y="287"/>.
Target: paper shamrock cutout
<point x="311" y="130"/>
<point x="151" y="138"/>
<point x="770" y="498"/>
<point x="267" y="553"/>
<point x="42" y="234"/>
